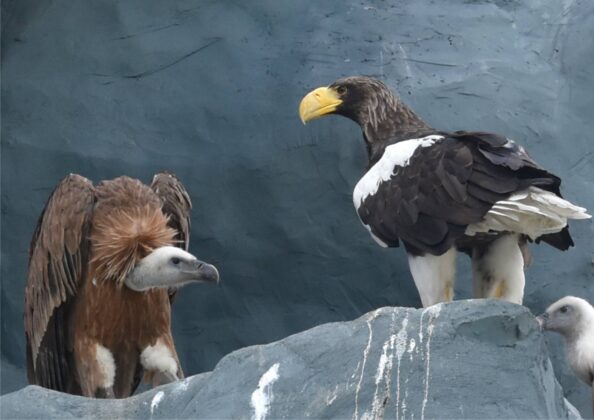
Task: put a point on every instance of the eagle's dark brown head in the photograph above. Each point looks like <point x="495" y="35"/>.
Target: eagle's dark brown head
<point x="370" y="103"/>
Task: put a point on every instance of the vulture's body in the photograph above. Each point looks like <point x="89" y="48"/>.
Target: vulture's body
<point x="439" y="193"/>
<point x="103" y="266"/>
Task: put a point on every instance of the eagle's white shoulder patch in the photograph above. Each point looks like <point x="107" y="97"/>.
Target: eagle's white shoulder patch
<point x="395" y="155"/>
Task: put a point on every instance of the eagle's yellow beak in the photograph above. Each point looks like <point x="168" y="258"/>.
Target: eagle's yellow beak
<point x="318" y="103"/>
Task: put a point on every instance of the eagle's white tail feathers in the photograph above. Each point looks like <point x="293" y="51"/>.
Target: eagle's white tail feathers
<point x="533" y="212"/>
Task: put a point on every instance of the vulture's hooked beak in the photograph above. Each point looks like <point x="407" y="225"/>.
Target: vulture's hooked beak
<point x="202" y="272"/>
<point x="317" y="103"/>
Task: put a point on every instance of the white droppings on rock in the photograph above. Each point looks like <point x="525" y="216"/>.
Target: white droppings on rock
<point x="181" y="386"/>
<point x="331" y="397"/>
<point x="262" y="397"/>
<point x="372" y="316"/>
<point x="401" y="340"/>
<point x="383" y="373"/>
<point x="411" y="347"/>
<point x="356" y="370"/>
<point x="384" y="361"/>
<point x="404" y="405"/>
<point x="394" y="345"/>
<point x="156" y="400"/>
<point x="433" y="312"/>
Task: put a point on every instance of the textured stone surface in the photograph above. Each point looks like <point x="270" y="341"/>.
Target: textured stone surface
<point x="468" y="359"/>
<point x="110" y="87"/>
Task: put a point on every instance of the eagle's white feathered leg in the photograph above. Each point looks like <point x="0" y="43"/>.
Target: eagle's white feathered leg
<point x="498" y="270"/>
<point x="434" y="276"/>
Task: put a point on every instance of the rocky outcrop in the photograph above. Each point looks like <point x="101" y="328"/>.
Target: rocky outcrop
<point x="467" y="359"/>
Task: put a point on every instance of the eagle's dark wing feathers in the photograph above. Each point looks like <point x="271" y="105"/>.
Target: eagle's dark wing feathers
<point x="57" y="262"/>
<point x="445" y="187"/>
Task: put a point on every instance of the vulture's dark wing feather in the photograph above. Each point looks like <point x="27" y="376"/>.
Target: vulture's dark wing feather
<point x="429" y="202"/>
<point x="57" y="265"/>
<point x="176" y="204"/>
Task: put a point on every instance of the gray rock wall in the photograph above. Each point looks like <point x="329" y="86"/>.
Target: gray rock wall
<point x="469" y="359"/>
<point x="210" y="90"/>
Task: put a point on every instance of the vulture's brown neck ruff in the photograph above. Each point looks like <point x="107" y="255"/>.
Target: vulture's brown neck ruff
<point x="122" y="238"/>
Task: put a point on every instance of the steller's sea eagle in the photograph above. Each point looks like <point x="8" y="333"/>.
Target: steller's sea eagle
<point x="439" y="192"/>
<point x="104" y="263"/>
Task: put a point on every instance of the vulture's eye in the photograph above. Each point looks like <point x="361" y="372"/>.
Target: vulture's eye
<point x="175" y="260"/>
<point x="564" y="309"/>
<point x="341" y="90"/>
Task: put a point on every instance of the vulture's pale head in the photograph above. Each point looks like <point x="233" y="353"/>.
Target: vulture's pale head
<point x="170" y="267"/>
<point x="568" y="316"/>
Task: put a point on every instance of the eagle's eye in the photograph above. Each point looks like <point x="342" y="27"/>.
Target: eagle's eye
<point x="564" y="309"/>
<point x="341" y="90"/>
<point x="175" y="260"/>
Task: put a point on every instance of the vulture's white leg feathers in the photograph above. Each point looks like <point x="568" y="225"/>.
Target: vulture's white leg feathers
<point x="160" y="362"/>
<point x="107" y="366"/>
<point x="434" y="276"/>
<point x="97" y="366"/>
<point x="498" y="270"/>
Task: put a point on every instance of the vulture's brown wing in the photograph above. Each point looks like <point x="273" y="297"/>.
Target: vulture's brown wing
<point x="176" y="204"/>
<point x="57" y="265"/>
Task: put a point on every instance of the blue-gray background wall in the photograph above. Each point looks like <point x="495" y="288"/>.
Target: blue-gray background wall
<point x="210" y="89"/>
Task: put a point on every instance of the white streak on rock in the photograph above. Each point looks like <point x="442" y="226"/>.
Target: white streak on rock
<point x="262" y="396"/>
<point x="331" y="397"/>
<point x="156" y="400"/>
<point x="182" y="385"/>
<point x="433" y="312"/>
<point x="410" y="75"/>
<point x="356" y="370"/>
<point x="411" y="347"/>
<point x="404" y="405"/>
<point x="421" y="328"/>
<point x="401" y="340"/>
<point x="383" y="362"/>
<point x="365" y="354"/>
<point x="383" y="374"/>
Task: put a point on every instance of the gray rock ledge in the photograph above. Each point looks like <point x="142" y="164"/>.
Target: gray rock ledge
<point x="467" y="359"/>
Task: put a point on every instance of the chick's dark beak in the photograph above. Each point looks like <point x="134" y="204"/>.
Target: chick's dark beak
<point x="542" y="320"/>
